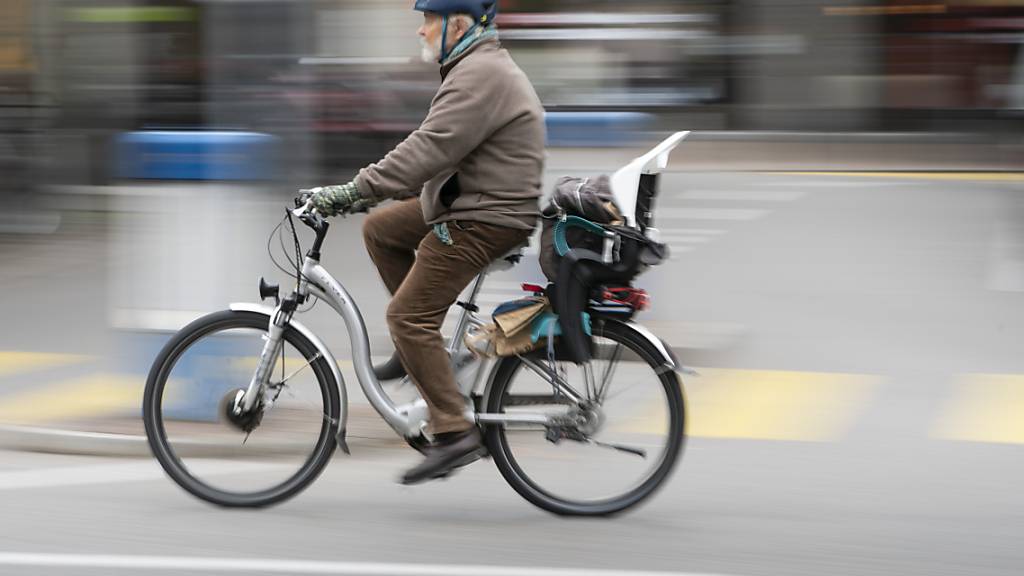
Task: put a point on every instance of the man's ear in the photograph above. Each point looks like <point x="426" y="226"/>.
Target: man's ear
<point x="461" y="26"/>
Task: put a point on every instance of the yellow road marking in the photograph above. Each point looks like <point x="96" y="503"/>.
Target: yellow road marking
<point x="16" y="362"/>
<point x="85" y="397"/>
<point x="960" y="176"/>
<point x="984" y="408"/>
<point x="776" y="405"/>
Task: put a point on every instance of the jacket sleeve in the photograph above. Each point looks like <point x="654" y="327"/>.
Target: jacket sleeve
<point x="460" y="118"/>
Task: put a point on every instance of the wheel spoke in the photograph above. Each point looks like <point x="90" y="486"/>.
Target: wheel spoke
<point x="609" y="450"/>
<point x="608" y="372"/>
<point x="285" y="379"/>
<point x="188" y="424"/>
<point x="556" y="380"/>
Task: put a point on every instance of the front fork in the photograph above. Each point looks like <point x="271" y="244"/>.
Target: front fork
<point x="271" y="348"/>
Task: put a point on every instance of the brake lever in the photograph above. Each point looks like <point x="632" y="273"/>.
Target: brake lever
<point x="308" y="207"/>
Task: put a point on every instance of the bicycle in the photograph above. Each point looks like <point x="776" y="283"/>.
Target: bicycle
<point x="550" y="426"/>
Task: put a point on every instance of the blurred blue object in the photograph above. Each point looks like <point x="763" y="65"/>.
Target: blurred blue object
<point x="595" y="129"/>
<point x="203" y="376"/>
<point x="195" y="155"/>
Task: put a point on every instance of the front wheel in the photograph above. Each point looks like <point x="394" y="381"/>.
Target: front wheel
<point x="221" y="455"/>
<point x="615" y="448"/>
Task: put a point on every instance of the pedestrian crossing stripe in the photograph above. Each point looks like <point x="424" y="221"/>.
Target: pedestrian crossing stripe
<point x="743" y="195"/>
<point x="956" y="176"/>
<point x="12" y="362"/>
<point x="90" y="396"/>
<point x="984" y="408"/>
<point x="776" y="405"/>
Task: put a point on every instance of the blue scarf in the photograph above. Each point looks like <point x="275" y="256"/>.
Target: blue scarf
<point x="476" y="33"/>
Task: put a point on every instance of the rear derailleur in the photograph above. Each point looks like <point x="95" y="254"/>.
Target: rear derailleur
<point x="579" y="425"/>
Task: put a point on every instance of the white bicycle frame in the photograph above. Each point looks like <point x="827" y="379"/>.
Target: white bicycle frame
<point x="409" y="419"/>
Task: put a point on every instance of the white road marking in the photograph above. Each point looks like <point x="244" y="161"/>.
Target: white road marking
<point x="670" y="232"/>
<point x="673" y="240"/>
<point x="116" y="473"/>
<point x="145" y="319"/>
<point x="743" y="195"/>
<point x="675" y="251"/>
<point x="733" y="214"/>
<point x="267" y="565"/>
<point x="838" y="182"/>
<point x="1006" y="257"/>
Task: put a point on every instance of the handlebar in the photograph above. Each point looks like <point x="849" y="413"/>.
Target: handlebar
<point x="311" y="217"/>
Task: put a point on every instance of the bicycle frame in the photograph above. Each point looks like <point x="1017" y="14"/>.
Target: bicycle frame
<point x="409" y="420"/>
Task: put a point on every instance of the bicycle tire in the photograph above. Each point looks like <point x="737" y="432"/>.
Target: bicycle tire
<point x="504" y="458"/>
<point x="172" y="464"/>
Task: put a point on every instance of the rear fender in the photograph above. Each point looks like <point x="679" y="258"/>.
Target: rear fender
<point x="669" y="361"/>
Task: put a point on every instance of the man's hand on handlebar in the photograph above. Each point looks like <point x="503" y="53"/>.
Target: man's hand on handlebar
<point x="334" y="200"/>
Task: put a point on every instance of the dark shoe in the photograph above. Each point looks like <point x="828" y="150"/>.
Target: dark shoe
<point x="450" y="452"/>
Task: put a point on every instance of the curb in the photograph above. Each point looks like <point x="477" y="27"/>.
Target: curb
<point x="73" y="442"/>
<point x="56" y="441"/>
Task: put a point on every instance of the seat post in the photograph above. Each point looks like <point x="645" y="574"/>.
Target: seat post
<point x="467" y="308"/>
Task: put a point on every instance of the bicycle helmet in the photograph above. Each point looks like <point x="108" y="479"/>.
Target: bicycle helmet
<point x="482" y="11"/>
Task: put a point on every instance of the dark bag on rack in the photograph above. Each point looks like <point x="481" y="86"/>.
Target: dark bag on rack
<point x="589" y="262"/>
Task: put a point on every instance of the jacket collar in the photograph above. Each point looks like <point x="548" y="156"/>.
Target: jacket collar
<point x="485" y="45"/>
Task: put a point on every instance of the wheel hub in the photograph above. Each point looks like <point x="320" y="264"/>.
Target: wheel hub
<point x="580" y="424"/>
<point x="236" y="414"/>
<point x="590" y="419"/>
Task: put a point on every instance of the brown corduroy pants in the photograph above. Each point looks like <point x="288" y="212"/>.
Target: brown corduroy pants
<point x="425" y="277"/>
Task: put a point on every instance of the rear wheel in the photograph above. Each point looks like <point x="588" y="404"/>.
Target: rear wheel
<point x="240" y="460"/>
<point x="615" y="449"/>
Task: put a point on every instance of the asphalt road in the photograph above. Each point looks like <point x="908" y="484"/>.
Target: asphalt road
<point x="858" y="411"/>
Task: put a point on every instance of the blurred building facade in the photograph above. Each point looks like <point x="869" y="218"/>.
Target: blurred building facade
<point x="338" y="81"/>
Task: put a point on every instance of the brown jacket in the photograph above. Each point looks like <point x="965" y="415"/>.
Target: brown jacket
<point x="479" y="153"/>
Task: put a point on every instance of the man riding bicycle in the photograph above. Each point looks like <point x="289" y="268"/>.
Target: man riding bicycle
<point x="476" y="163"/>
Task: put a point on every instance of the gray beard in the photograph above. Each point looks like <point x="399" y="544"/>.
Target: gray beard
<point x="429" y="54"/>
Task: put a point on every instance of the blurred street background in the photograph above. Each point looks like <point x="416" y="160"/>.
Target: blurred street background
<point x="847" y="232"/>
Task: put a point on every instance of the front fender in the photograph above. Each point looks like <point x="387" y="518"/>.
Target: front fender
<point x="321" y="348"/>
